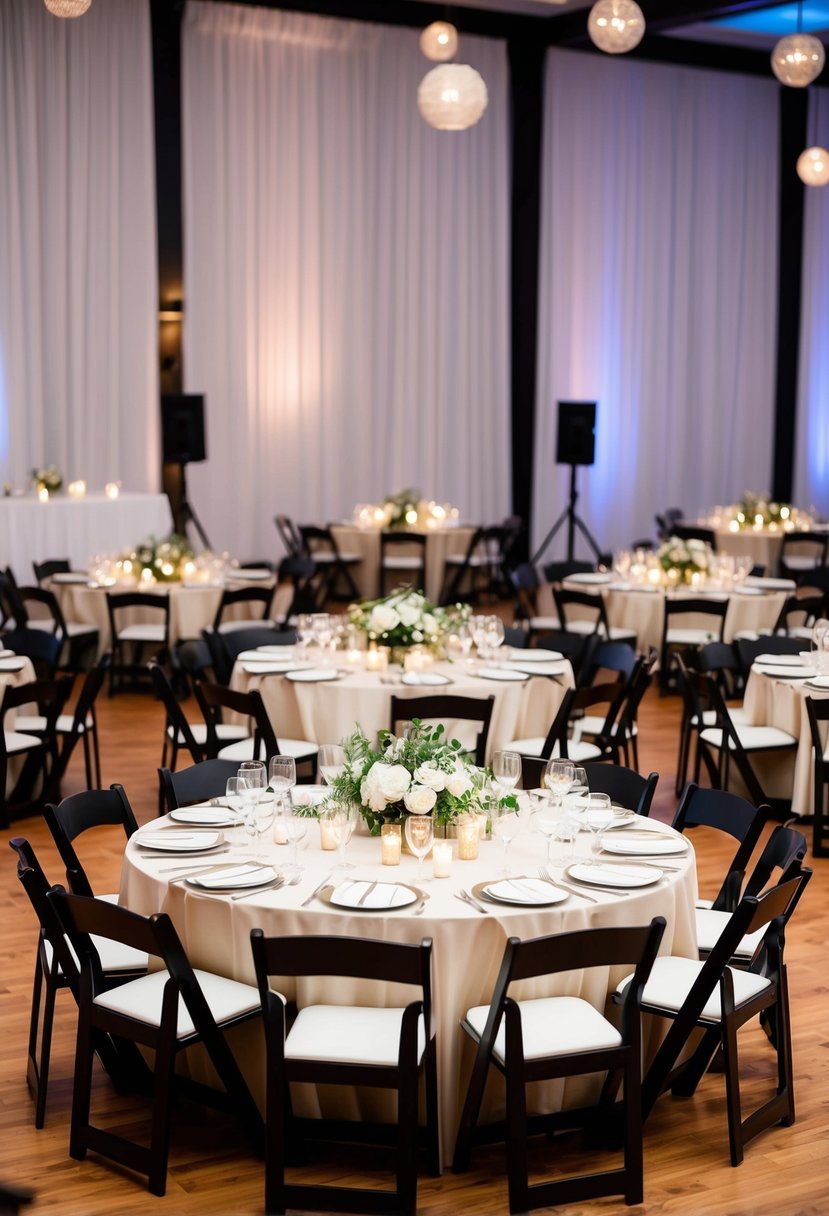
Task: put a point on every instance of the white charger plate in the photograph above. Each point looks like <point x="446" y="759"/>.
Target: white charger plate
<point x="254" y="574"/>
<point x="179" y="842"/>
<point x="12" y="664"/>
<point x="505" y="674"/>
<point x="786" y="673"/>
<point x="363" y="896"/>
<point x="590" y="578"/>
<point x="312" y="675"/>
<point x="617" y="876"/>
<point x="264" y="668"/>
<point x="818" y="682"/>
<point x="517" y="655"/>
<point x="234" y="878"/>
<point x="425" y="679"/>
<point x="521" y="891"/>
<point x="781" y="660"/>
<point x="626" y="845"/>
<point x="206" y="816"/>
<point x="540" y="669"/>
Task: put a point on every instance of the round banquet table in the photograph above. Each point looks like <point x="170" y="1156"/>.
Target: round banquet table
<point x="467" y="947"/>
<point x="780" y="702"/>
<point x="330" y="710"/>
<point x="641" y="609"/>
<point x="192" y="605"/>
<point x="365" y="543"/>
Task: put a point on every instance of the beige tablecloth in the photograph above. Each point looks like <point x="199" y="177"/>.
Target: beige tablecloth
<point x="329" y="711"/>
<point x="467" y="947"/>
<point x="192" y="608"/>
<point x="642" y="611"/>
<point x="366" y="542"/>
<point x="774" y="702"/>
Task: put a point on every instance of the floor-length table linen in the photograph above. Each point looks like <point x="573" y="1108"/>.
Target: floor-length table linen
<point x="781" y="702"/>
<point x="331" y="710"/>
<point x="365" y="542"/>
<point x="77" y="528"/>
<point x="466" y="955"/>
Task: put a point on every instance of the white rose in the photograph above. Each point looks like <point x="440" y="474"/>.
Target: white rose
<point x="458" y="783"/>
<point x="429" y="624"/>
<point x="420" y="799"/>
<point x="409" y="613"/>
<point x="382" y="619"/>
<point x="371" y="794"/>
<point x="393" y="780"/>
<point x="426" y="774"/>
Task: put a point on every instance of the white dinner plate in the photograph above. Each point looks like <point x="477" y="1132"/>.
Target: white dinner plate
<point x="309" y="795"/>
<point x="267" y="654"/>
<point x="365" y="896"/>
<point x="206" y="816"/>
<point x="771" y="584"/>
<point x="786" y="673"/>
<point x="70" y="577"/>
<point x="170" y="841"/>
<point x="540" y="655"/>
<point x="540" y="669"/>
<point x="234" y="877"/>
<point x="264" y="668"/>
<point x="781" y="660"/>
<point x="313" y="675"/>
<point x="254" y="574"/>
<point x="502" y="673"/>
<point x="647" y="845"/>
<point x="424" y="678"/>
<point x="598" y="875"/>
<point x="13" y="663"/>
<point x="749" y="591"/>
<point x="590" y="578"/>
<point x="818" y="682"/>
<point x="521" y="891"/>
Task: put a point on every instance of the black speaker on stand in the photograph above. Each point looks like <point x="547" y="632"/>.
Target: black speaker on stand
<point x="182" y="443"/>
<point x="576" y="445"/>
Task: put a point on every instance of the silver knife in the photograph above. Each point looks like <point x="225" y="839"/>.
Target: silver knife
<point x="473" y="903"/>
<point x="316" y="892"/>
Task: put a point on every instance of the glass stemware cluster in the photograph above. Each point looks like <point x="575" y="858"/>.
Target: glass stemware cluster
<point x="487" y="634"/>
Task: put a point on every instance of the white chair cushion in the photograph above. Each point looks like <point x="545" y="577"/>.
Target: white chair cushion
<point x="349" y="1035"/>
<point x="618" y="633"/>
<point x="540" y="623"/>
<point x="224" y="730"/>
<point x="526" y="747"/>
<point x="300" y="749"/>
<point x="552" y="1026"/>
<point x="115" y="957"/>
<point x="690" y="637"/>
<point x="44" y="624"/>
<point x="18" y="742"/>
<point x="710" y="925"/>
<point x="583" y="627"/>
<point x="671" y="980"/>
<point x="591" y="724"/>
<point x="752" y="738"/>
<point x="577" y="749"/>
<point x="141" y="999"/>
<point x="259" y="623"/>
<point x="63" y="725"/>
<point x="76" y="629"/>
<point x="142" y="633"/>
<point x="402" y="563"/>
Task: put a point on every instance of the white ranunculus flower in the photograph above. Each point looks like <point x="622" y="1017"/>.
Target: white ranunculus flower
<point x="409" y="613"/>
<point x="420" y="799"/>
<point x="393" y="779"/>
<point x="458" y="782"/>
<point x="427" y="774"/>
<point x="371" y="793"/>
<point x="382" y="619"/>
<point x="429" y="624"/>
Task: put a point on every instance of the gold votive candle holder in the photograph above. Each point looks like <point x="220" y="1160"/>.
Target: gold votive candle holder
<point x="468" y="840"/>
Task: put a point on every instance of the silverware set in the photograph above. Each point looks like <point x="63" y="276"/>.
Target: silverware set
<point x="466" y="898"/>
<point x="546" y="876"/>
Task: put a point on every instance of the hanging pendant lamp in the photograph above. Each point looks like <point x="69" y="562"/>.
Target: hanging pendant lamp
<point x="452" y="97"/>
<point x="67" y="8"/>
<point x="439" y="41"/>
<point x="616" y="26"/>
<point x="798" y="58"/>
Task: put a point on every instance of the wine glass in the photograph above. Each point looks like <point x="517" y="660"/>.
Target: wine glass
<point x="494" y="633"/>
<point x="282" y="775"/>
<point x="506" y="824"/>
<point x="558" y="777"/>
<point x="477" y="627"/>
<point x="330" y="762"/>
<point x="598" y="816"/>
<point x="420" y="836"/>
<point x="294" y="826"/>
<point x="341" y="819"/>
<point x="234" y="791"/>
<point x="545" y="820"/>
<point x="506" y="769"/>
<point x="305" y="629"/>
<point x="252" y="772"/>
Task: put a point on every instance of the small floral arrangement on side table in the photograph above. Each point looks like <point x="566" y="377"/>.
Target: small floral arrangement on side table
<point x="406" y="618"/>
<point x="681" y="559"/>
<point x="759" y="511"/>
<point x="419" y="773"/>
<point x="47" y="478"/>
<point x="165" y="558"/>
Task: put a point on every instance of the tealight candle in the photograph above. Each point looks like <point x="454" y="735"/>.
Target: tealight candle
<point x="468" y="840"/>
<point x="391" y="844"/>
<point x="442" y="858"/>
<point x="354" y="657"/>
<point x="327" y="841"/>
<point x="43" y="494"/>
<point x="76" y="489"/>
<point x="377" y="659"/>
<point x="112" y="489"/>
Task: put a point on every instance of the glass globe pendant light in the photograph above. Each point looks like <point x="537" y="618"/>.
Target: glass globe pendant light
<point x="798" y="58"/>
<point x="452" y="97"/>
<point x="616" y="26"/>
<point x="67" y="8"/>
<point x="813" y="166"/>
<point x="439" y="41"/>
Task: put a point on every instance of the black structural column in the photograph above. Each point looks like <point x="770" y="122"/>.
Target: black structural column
<point x="793" y="113"/>
<point x="526" y="59"/>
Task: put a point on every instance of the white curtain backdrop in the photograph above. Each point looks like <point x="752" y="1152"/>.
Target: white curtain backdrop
<point x="658" y="288"/>
<point x="346" y="274"/>
<point x="78" y="279"/>
<point x="811" y="486"/>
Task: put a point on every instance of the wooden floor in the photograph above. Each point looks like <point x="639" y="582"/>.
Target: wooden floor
<point x="211" y="1170"/>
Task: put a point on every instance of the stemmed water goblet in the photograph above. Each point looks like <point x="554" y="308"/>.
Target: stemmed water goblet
<point x="558" y="778"/>
<point x="253" y="774"/>
<point x="330" y="762"/>
<point x="340" y="818"/>
<point x="598" y="817"/>
<point x="506" y="769"/>
<point x="420" y="836"/>
<point x="234" y="797"/>
<point x="494" y="634"/>
<point x="506" y="825"/>
<point x="282" y="775"/>
<point x="294" y="826"/>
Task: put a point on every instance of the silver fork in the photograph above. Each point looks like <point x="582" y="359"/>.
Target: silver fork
<point x="545" y="874"/>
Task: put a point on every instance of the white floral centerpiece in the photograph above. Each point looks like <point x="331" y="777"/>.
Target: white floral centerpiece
<point x="419" y="773"/>
<point x="406" y="509"/>
<point x="406" y="618"/>
<point x="682" y="559"/>
<point x="47" y="478"/>
<point x="165" y="559"/>
<point x="761" y="511"/>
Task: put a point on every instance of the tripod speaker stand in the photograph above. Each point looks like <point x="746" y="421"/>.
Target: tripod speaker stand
<point x="576" y="446"/>
<point x="182" y="433"/>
